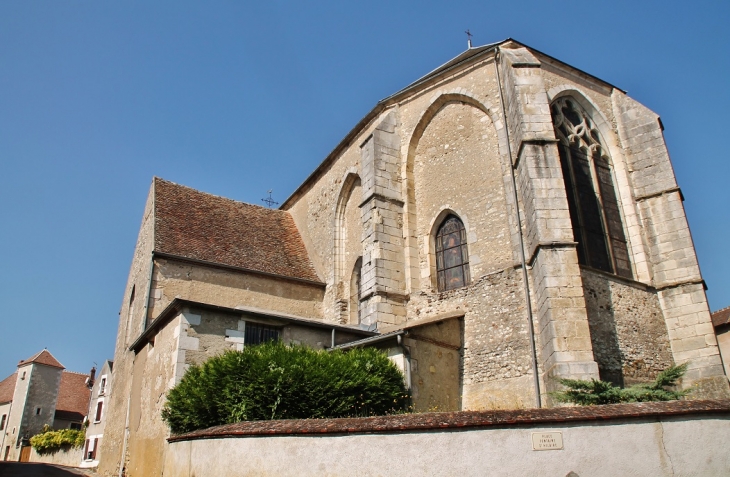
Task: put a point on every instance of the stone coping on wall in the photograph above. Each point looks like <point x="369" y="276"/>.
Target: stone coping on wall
<point x="460" y="420"/>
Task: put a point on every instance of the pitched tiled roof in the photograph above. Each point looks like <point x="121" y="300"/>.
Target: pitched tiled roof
<point x="73" y="395"/>
<point x="7" y="388"/>
<point x="721" y="317"/>
<point x="200" y="226"/>
<point x="43" y="357"/>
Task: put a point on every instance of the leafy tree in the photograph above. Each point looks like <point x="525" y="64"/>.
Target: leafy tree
<point x="593" y="392"/>
<point x="274" y="381"/>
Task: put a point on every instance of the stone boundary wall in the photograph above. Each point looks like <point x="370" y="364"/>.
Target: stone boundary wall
<point x="673" y="438"/>
<point x="68" y="456"/>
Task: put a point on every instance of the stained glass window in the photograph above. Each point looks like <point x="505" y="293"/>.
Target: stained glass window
<point x="592" y="201"/>
<point x="452" y="256"/>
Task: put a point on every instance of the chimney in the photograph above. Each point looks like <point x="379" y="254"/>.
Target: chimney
<point x="90" y="379"/>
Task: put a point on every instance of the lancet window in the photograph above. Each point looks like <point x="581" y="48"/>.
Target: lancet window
<point x="452" y="256"/>
<point x="592" y="201"/>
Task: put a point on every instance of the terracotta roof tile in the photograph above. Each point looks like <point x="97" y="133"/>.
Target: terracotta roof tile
<point x="721" y="317"/>
<point x="43" y="357"/>
<point x="7" y="388"/>
<point x="200" y="226"/>
<point x="460" y="420"/>
<point x="73" y="394"/>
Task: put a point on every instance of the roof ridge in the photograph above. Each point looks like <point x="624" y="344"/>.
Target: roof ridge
<point x="156" y="178"/>
<point x="721" y="309"/>
<point x="75" y="372"/>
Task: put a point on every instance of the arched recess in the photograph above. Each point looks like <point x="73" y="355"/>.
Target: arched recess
<point x="420" y="266"/>
<point x="347" y="237"/>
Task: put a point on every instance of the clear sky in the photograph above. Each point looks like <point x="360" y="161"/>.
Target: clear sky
<point x="235" y="98"/>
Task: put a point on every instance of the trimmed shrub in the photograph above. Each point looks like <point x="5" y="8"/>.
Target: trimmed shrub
<point x="50" y="440"/>
<point x="274" y="381"/>
<point x="587" y="393"/>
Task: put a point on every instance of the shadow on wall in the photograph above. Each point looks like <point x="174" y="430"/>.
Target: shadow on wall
<point x="604" y="335"/>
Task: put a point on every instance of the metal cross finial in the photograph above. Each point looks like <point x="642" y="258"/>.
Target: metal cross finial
<point x="468" y="38"/>
<point x="269" y="201"/>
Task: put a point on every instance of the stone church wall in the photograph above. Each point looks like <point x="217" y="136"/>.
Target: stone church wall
<point x="131" y="316"/>
<point x="222" y="287"/>
<point x="629" y="336"/>
<point x="153" y="371"/>
<point x="496" y="361"/>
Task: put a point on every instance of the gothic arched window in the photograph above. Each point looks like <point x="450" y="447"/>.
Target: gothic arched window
<point x="594" y="210"/>
<point x="452" y="256"/>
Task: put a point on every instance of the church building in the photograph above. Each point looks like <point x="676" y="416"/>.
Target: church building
<point x="502" y="222"/>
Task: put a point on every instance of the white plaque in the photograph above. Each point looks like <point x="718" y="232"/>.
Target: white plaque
<point x="550" y="440"/>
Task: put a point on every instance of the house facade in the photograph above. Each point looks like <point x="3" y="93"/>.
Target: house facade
<point x="523" y="207"/>
<point x="40" y="393"/>
<point x="101" y="389"/>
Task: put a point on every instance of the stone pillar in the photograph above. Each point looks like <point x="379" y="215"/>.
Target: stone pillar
<point x="383" y="264"/>
<point x="672" y="259"/>
<point x="564" y="342"/>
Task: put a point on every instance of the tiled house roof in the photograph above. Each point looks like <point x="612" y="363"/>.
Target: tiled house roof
<point x="200" y="226"/>
<point x="7" y="388"/>
<point x="721" y="317"/>
<point x="73" y="396"/>
<point x="43" y="357"/>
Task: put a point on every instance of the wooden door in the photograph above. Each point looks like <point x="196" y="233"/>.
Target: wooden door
<point x="25" y="454"/>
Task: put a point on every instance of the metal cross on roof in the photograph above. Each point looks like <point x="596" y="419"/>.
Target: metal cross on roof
<point x="269" y="201"/>
<point x="468" y="38"/>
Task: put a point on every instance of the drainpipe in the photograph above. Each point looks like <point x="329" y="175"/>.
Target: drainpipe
<point x="528" y="304"/>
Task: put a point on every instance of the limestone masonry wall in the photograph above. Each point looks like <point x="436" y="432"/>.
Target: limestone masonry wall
<point x="229" y="288"/>
<point x="628" y="332"/>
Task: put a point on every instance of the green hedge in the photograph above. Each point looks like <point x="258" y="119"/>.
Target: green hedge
<point x="587" y="393"/>
<point x="274" y="381"/>
<point x="51" y="440"/>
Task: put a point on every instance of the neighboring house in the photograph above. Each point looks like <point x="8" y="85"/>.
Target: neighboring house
<point x="504" y="221"/>
<point x="41" y="392"/>
<point x="101" y="389"/>
<point x="721" y="322"/>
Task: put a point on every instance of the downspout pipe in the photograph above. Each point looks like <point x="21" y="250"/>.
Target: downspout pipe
<point x="528" y="302"/>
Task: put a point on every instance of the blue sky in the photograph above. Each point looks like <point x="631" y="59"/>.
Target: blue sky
<point x="235" y="98"/>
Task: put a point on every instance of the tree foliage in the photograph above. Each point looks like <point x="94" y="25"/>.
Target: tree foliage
<point x="50" y="440"/>
<point x="593" y="392"/>
<point x="274" y="381"/>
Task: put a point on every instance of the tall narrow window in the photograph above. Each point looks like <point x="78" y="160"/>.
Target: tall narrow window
<point x="356" y="293"/>
<point x="2" y="421"/>
<point x="99" y="406"/>
<point x="452" y="256"/>
<point x="592" y="202"/>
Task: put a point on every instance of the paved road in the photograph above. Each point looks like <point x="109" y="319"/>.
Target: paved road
<point x="16" y="469"/>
